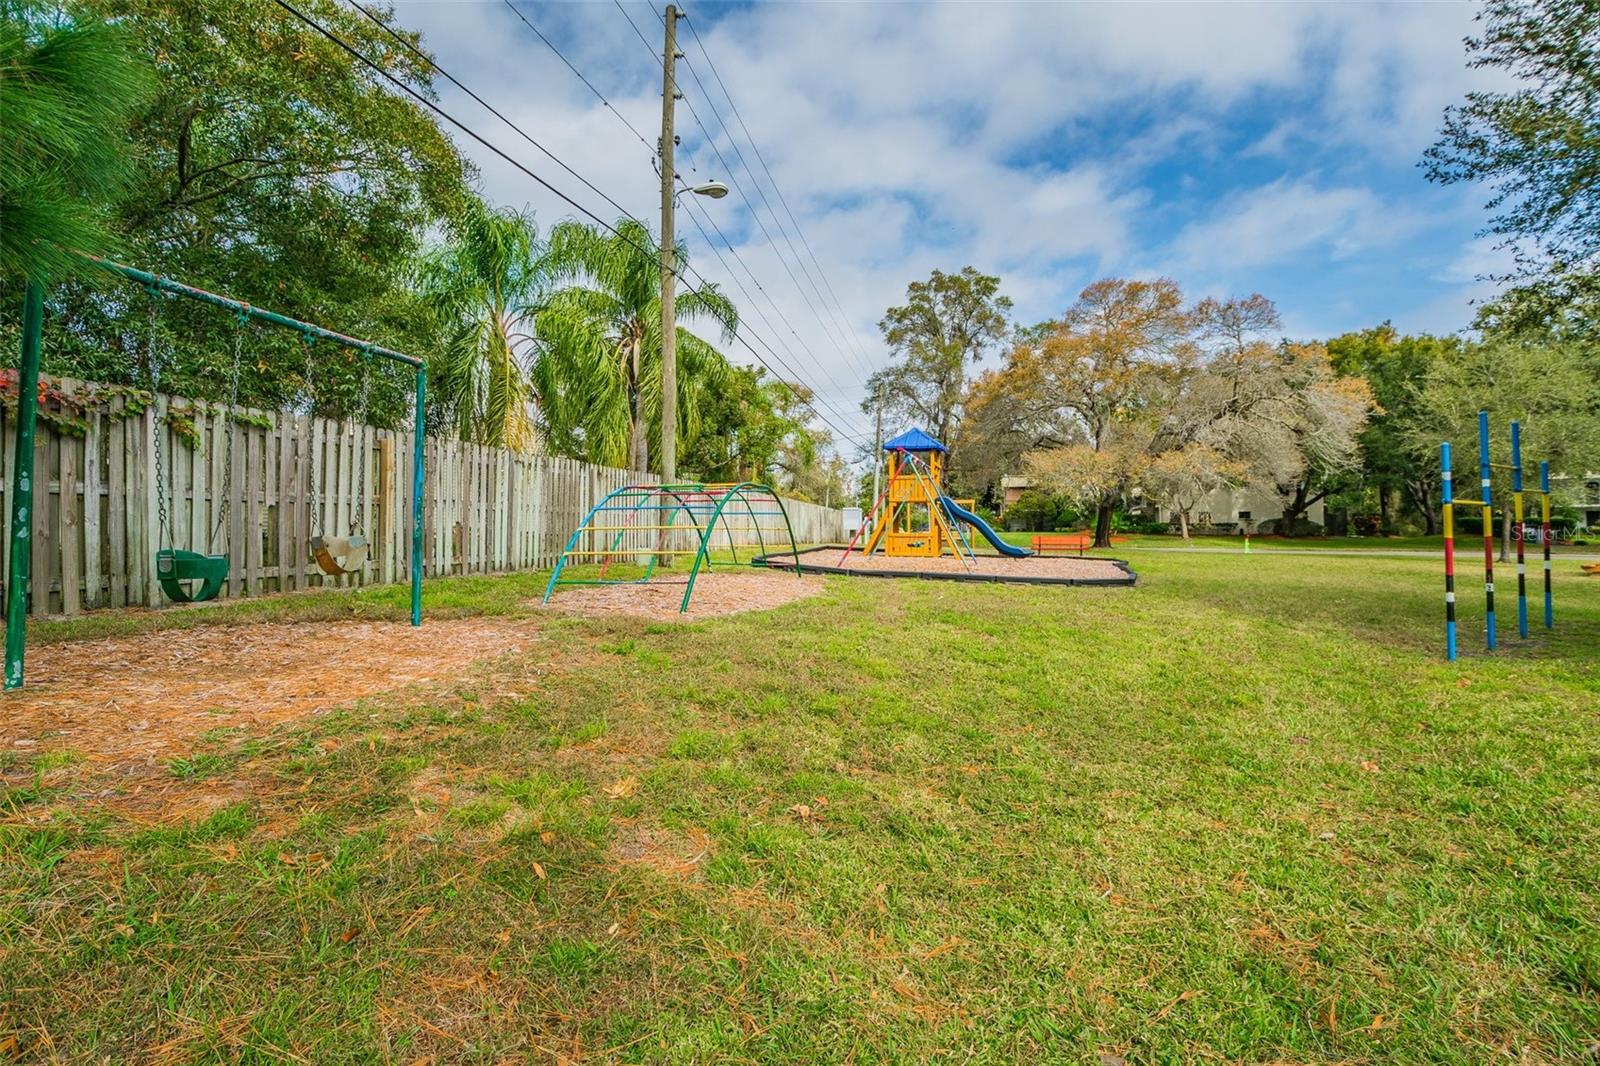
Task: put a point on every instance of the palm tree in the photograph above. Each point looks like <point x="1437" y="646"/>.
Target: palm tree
<point x="487" y="286"/>
<point x="598" y="369"/>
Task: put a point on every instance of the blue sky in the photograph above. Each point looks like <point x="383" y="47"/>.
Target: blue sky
<point x="1236" y="148"/>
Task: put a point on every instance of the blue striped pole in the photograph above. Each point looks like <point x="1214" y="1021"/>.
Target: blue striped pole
<point x="1449" y="554"/>
<point x="1488" y="524"/>
<point x="1544" y="535"/>
<point x="1516" y="519"/>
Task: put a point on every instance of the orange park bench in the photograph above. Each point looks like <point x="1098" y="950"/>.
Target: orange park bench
<point x="1066" y="542"/>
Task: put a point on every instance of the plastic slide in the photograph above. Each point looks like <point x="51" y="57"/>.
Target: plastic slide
<point x="956" y="511"/>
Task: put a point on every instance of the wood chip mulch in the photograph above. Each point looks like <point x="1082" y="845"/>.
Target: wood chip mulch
<point x="1033" y="566"/>
<point x="142" y="700"/>
<point x="715" y="593"/>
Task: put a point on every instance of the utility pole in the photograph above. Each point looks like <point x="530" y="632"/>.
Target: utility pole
<point x="669" y="315"/>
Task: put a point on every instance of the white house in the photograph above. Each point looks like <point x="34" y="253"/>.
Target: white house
<point x="1225" y="507"/>
<point x="1245" y="507"/>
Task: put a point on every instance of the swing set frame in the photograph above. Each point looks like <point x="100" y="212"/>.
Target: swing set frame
<point x="27" y="411"/>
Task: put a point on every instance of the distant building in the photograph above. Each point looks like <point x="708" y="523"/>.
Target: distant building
<point x="1012" y="486"/>
<point x="1245" y="507"/>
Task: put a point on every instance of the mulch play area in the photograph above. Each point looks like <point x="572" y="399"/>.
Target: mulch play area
<point x="142" y="700"/>
<point x="716" y="593"/>
<point x="1032" y="570"/>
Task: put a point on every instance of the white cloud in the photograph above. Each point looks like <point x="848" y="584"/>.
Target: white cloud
<point x="1275" y="223"/>
<point x="911" y="137"/>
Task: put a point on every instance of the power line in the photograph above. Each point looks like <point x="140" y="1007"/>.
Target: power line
<point x="754" y="214"/>
<point x="846" y="332"/>
<point x="706" y="55"/>
<point x="598" y="94"/>
<point x="728" y="168"/>
<point x="378" y="69"/>
<point x="838" y="332"/>
<point x="414" y="50"/>
<point x="817" y="394"/>
<point x="833" y="335"/>
<point x="755" y="306"/>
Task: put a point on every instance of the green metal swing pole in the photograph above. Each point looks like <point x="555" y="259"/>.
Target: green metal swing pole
<point x="22" y="484"/>
<point x="156" y="281"/>
<point x="419" y="440"/>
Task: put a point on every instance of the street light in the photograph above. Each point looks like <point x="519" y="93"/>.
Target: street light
<point x="715" y="190"/>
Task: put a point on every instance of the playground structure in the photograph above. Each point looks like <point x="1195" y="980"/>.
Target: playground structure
<point x="651" y="525"/>
<point x="198" y="572"/>
<point x="914" y="530"/>
<point x="912" y="517"/>
<point x="1450" y="500"/>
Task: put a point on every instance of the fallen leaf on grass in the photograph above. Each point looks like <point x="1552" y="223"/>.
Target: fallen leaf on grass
<point x="547" y="837"/>
<point x="349" y="934"/>
<point x="1183" y="997"/>
<point x="947" y="946"/>
<point x="801" y="811"/>
<point x="538" y="871"/>
<point x="1370" y="767"/>
<point x="627" y="786"/>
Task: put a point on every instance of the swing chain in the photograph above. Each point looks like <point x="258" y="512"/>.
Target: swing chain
<point x="225" y="507"/>
<point x="359" y="523"/>
<point x="311" y="423"/>
<point x="163" y="521"/>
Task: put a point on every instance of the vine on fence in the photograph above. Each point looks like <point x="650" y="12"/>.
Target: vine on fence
<point x="66" y="408"/>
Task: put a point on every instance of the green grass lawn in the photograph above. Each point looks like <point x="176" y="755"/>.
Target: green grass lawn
<point x="1240" y="812"/>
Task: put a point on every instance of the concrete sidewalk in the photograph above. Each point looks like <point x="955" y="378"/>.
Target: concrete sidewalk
<point x="1396" y="553"/>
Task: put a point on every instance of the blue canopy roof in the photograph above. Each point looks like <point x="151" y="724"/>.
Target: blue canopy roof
<point x="913" y="440"/>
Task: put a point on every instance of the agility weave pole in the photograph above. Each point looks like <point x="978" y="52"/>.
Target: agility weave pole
<point x="1449" y="501"/>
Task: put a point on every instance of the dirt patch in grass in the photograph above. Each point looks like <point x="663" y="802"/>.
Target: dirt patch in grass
<point x="715" y="593"/>
<point x="680" y="855"/>
<point x="144" y="700"/>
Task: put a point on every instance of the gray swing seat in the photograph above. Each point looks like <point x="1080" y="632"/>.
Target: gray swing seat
<point x="340" y="555"/>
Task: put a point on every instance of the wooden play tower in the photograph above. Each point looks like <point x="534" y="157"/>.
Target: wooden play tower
<point x="909" y="520"/>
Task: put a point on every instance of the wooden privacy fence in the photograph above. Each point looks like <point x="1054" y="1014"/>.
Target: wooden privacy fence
<point x="289" y="477"/>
